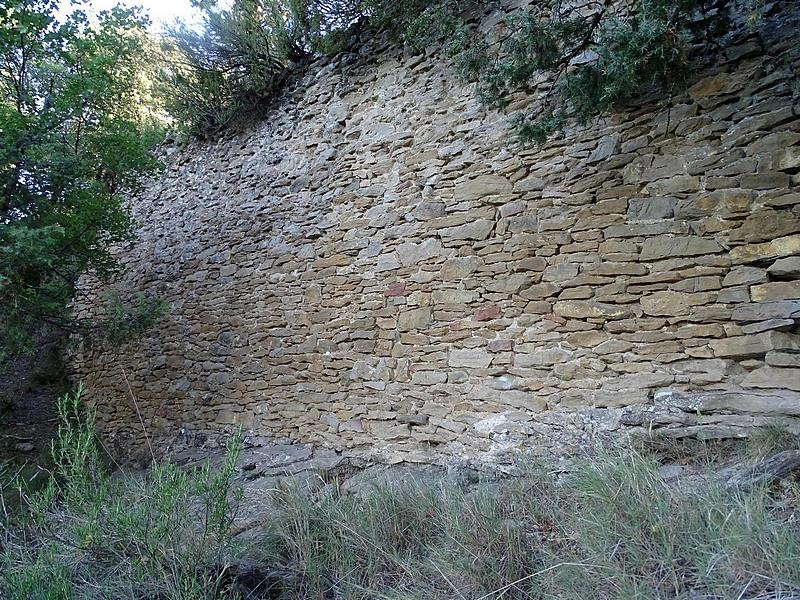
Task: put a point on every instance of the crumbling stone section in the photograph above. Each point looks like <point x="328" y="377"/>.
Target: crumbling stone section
<point x="376" y="269"/>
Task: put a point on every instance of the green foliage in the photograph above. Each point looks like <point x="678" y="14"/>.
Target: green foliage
<point x="612" y="528"/>
<point x="570" y="61"/>
<point x="125" y="319"/>
<point x="244" y="53"/>
<point x="574" y="63"/>
<point x="73" y="138"/>
<point x="88" y="534"/>
<point x="239" y="57"/>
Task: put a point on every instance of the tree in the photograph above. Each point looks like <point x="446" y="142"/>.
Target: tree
<point x="73" y="138"/>
<point x="244" y="53"/>
<point x="239" y="57"/>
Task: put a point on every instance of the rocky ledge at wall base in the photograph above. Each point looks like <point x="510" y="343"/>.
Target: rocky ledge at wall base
<point x="377" y="269"/>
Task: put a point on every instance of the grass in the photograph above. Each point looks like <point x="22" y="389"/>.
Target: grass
<point x="611" y="529"/>
<point x="614" y="529"/>
<point x="770" y="439"/>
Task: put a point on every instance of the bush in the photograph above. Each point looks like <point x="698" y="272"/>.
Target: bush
<point x="88" y="534"/>
<point x="74" y="139"/>
<point x="241" y="56"/>
<point x="571" y="62"/>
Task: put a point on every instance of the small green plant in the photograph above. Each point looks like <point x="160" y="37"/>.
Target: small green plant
<point x="611" y="528"/>
<point x="125" y="319"/>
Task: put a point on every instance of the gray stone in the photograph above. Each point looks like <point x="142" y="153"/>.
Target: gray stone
<point x="776" y="358"/>
<point x="587" y="309"/>
<point x="428" y="377"/>
<point x="429" y="210"/>
<point x="773" y="378"/>
<point x="529" y="355"/>
<point x="788" y="268"/>
<point x="674" y="185"/>
<point x="481" y="187"/>
<point x="744" y="276"/>
<point x="562" y="272"/>
<point x="764" y="225"/>
<point x="508" y="284"/>
<point x="478" y="359"/>
<point x="606" y="147"/>
<point x="668" y="303"/>
<point x="754" y="402"/>
<point x="776" y="290"/>
<point x="457" y="268"/>
<point x="387" y="262"/>
<point x="416" y="318"/>
<point x="779" y="324"/>
<point x="785" y="246"/>
<point x="476" y="230"/>
<point x="668" y="246"/>
<point x="413" y="419"/>
<point x="410" y="253"/>
<point x="646" y="209"/>
<point x="746" y="346"/>
<point x="764" y="311"/>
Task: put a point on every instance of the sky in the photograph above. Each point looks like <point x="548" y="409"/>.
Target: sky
<point x="161" y="12"/>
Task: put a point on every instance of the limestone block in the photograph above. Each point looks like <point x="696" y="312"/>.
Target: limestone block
<point x="533" y="355"/>
<point x="661" y="247"/>
<point x="410" y="253"/>
<point x="764" y="225"/>
<point x="579" y="309"/>
<point x="428" y="377"/>
<point x="777" y="358"/>
<point x="784" y="246"/>
<point x="763" y="311"/>
<point x="457" y="268"/>
<point x="785" y="268"/>
<point x="773" y="377"/>
<point x="673" y="185"/>
<point x="481" y="187"/>
<point x="670" y="303"/>
<point x="745" y="346"/>
<point x="478" y="359"/>
<point x="562" y="272"/>
<point x="475" y="230"/>
<point x="417" y="318"/>
<point x="777" y="290"/>
<point x="744" y="276"/>
<point x="508" y="284"/>
<point x="754" y="401"/>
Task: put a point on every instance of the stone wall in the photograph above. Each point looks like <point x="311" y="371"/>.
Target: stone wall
<point x="377" y="268"/>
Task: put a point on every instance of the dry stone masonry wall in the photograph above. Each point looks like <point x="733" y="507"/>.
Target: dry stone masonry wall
<point x="377" y="269"/>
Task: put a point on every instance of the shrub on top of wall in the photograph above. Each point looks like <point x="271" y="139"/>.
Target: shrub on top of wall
<point x="571" y="61"/>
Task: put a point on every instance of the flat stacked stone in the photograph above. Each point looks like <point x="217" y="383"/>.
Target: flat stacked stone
<point x="377" y="268"/>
